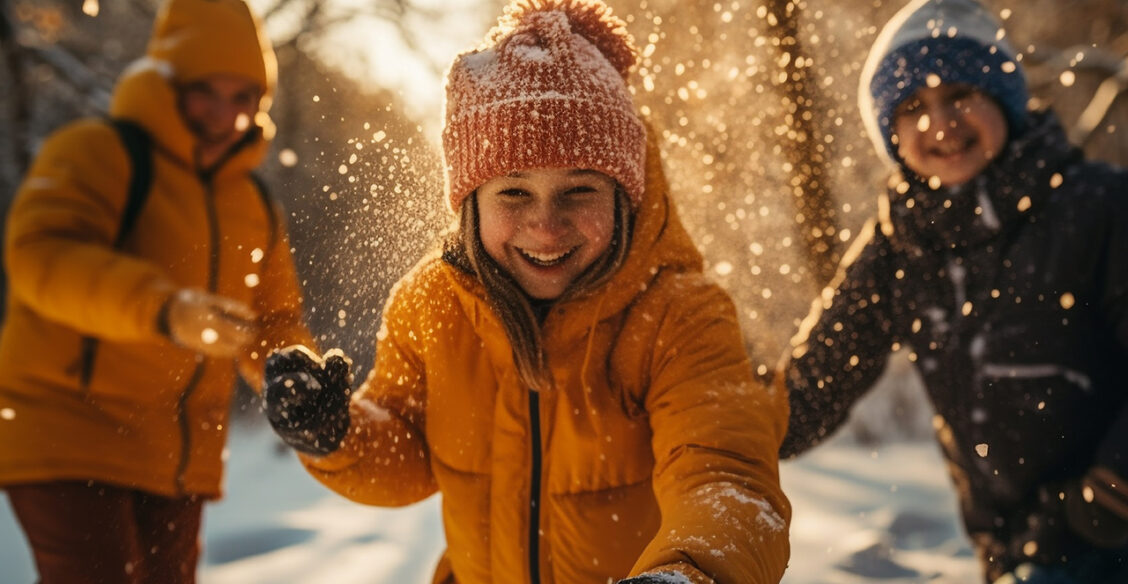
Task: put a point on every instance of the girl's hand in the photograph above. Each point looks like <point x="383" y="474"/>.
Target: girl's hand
<point x="306" y="398"/>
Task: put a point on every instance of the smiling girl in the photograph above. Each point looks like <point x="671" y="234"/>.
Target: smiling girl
<point x="561" y="371"/>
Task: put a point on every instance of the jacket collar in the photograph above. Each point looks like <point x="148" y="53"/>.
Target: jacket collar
<point x="145" y="94"/>
<point x="1011" y="189"/>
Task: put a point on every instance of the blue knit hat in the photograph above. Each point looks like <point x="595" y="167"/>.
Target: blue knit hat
<point x="957" y="41"/>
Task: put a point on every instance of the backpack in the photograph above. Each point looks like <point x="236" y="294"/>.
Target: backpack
<point x="139" y="147"/>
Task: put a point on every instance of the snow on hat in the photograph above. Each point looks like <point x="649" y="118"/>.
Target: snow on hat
<point x="547" y="89"/>
<point x="955" y="41"/>
<point x="204" y="37"/>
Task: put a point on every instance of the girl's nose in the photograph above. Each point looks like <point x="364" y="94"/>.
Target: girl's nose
<point x="546" y="218"/>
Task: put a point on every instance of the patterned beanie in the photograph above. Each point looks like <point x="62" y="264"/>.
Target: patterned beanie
<point x="547" y="89"/>
<point x="955" y="41"/>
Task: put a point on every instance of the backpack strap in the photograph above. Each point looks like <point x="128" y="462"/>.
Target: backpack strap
<point x="138" y="145"/>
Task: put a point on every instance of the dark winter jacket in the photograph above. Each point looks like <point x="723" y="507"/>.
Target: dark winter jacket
<point x="1013" y="300"/>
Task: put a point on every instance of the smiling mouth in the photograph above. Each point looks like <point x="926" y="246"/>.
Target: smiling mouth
<point x="953" y="148"/>
<point x="546" y="260"/>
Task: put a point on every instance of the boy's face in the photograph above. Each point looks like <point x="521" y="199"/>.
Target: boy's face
<point x="949" y="133"/>
<point x="545" y="226"/>
<point x="219" y="108"/>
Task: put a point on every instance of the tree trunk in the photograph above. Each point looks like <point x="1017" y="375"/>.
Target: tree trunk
<point x="19" y="103"/>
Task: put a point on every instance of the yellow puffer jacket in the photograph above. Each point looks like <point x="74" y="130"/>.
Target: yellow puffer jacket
<point x="149" y="414"/>
<point x="656" y="449"/>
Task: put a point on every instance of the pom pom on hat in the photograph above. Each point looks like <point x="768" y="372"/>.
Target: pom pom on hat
<point x="547" y="89"/>
<point x="590" y="20"/>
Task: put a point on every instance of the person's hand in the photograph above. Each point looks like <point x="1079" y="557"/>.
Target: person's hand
<point x="1038" y="531"/>
<point x="1035" y="574"/>
<point x="206" y="323"/>
<point x="657" y="578"/>
<point x="1063" y="512"/>
<point x="1098" y="524"/>
<point x="306" y="398"/>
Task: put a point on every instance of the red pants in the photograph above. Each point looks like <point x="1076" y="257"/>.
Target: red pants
<point x="93" y="533"/>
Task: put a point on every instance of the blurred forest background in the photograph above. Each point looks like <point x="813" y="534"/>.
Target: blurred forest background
<point x="755" y="101"/>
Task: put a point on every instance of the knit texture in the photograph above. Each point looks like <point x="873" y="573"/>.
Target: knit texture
<point x="547" y="89"/>
<point x="939" y="41"/>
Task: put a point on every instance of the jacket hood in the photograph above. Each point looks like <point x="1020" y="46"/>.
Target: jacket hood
<point x="193" y="39"/>
<point x="198" y="38"/>
<point x="659" y="241"/>
<point x="1009" y="191"/>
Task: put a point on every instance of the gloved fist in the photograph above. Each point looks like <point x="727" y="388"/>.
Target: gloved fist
<point x="206" y="323"/>
<point x="657" y="578"/>
<point x="1091" y="508"/>
<point x="306" y="398"/>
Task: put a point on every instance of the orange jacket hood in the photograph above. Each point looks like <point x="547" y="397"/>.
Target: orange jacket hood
<point x="193" y="39"/>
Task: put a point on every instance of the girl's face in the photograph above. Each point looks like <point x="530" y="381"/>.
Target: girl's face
<point x="545" y="226"/>
<point x="950" y="132"/>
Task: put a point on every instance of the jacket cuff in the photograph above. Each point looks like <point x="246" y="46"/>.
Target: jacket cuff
<point x="1101" y="485"/>
<point x="677" y="573"/>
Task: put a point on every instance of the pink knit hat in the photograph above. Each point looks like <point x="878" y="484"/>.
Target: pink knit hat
<point x="547" y="89"/>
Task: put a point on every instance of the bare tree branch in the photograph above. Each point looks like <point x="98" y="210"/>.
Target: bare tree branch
<point x="19" y="111"/>
<point x="95" y="87"/>
<point x="1103" y="99"/>
<point x="1050" y="64"/>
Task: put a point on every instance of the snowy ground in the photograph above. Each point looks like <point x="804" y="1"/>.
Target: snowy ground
<point x="884" y="514"/>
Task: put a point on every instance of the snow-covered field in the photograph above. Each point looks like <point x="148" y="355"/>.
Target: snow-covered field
<point x="884" y="514"/>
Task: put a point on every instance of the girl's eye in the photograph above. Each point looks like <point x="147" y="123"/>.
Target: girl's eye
<point x="513" y="193"/>
<point x="579" y="191"/>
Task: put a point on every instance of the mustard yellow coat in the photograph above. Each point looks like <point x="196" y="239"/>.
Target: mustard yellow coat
<point x="657" y="446"/>
<point x="151" y="415"/>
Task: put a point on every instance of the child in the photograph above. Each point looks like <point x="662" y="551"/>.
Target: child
<point x="1000" y="257"/>
<point x="561" y="372"/>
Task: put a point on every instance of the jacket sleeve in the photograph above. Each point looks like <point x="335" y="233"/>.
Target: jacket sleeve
<point x="716" y="433"/>
<point x="385" y="460"/>
<point x="278" y="300"/>
<point x="842" y="346"/>
<point x="59" y="243"/>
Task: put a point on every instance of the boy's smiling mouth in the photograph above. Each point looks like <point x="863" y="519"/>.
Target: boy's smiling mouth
<point x="953" y="148"/>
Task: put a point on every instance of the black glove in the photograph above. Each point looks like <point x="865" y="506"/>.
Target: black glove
<point x="306" y="398"/>
<point x="658" y="578"/>
<point x="1090" y="509"/>
<point x="1063" y="514"/>
<point x="1038" y="532"/>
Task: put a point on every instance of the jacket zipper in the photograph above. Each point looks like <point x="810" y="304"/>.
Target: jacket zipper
<point x="534" y="487"/>
<point x="213" y="285"/>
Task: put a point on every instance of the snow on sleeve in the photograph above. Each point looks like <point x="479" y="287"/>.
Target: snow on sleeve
<point x="722" y="497"/>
